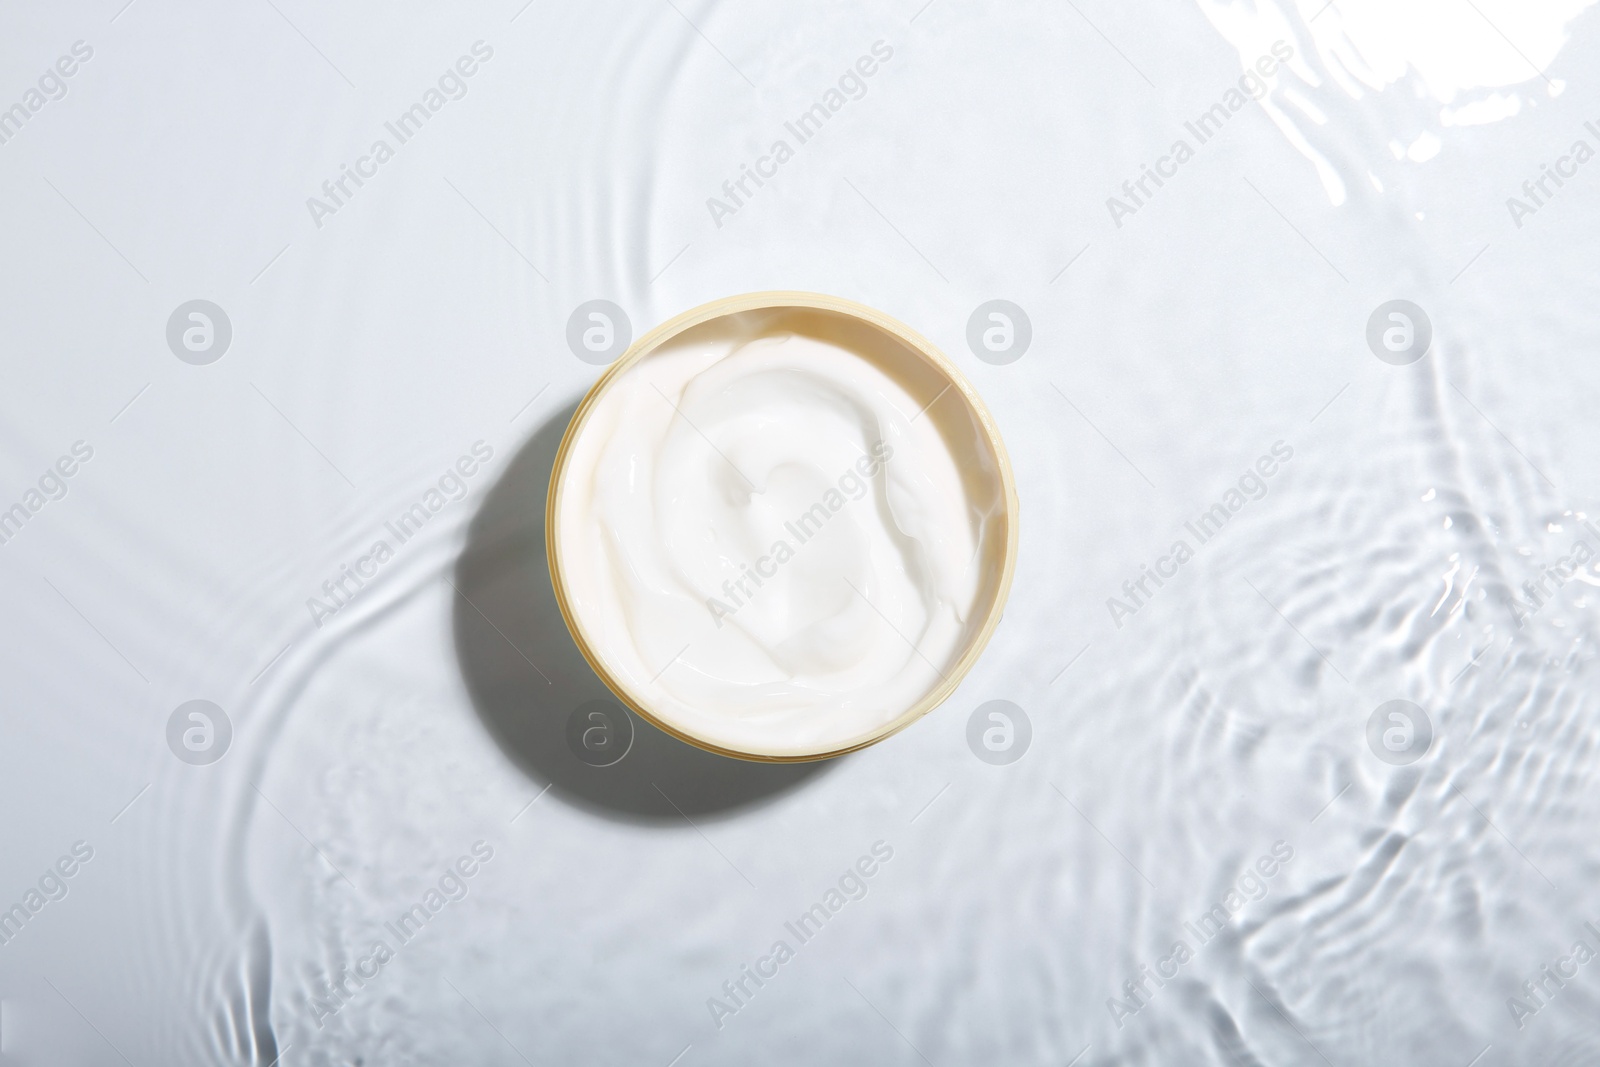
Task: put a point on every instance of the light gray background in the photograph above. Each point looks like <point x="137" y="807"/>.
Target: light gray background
<point x="1168" y="353"/>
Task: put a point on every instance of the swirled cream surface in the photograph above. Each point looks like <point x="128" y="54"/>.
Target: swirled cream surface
<point x="780" y="530"/>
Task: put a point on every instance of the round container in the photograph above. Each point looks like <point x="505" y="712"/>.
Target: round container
<point x="944" y="378"/>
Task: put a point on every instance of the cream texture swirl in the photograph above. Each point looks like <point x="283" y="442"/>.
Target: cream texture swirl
<point x="769" y="539"/>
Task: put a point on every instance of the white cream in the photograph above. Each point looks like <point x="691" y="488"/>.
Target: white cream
<point x="769" y="541"/>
